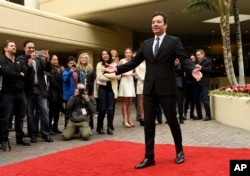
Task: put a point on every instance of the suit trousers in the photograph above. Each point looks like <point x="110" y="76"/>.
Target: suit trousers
<point x="168" y="104"/>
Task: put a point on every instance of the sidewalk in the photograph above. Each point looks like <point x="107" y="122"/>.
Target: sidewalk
<point x="195" y="133"/>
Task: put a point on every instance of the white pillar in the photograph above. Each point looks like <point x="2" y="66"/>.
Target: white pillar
<point x="32" y="3"/>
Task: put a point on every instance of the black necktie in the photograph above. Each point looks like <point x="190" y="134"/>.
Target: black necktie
<point x="157" y="46"/>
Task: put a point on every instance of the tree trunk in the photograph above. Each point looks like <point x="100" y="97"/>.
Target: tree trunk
<point x="239" y="43"/>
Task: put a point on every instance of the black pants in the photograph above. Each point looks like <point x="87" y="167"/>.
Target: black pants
<point x="168" y="103"/>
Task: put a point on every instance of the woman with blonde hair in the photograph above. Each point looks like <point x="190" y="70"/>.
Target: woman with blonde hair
<point x="87" y="75"/>
<point x="127" y="90"/>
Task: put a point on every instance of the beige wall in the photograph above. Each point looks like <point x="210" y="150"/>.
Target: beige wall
<point x="81" y="7"/>
<point x="31" y="23"/>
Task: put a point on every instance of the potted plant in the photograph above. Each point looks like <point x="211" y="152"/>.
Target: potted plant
<point x="230" y="105"/>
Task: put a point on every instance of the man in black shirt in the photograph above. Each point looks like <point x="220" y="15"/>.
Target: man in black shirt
<point x="13" y="100"/>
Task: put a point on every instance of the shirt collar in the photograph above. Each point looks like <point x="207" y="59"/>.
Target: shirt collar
<point x="161" y="36"/>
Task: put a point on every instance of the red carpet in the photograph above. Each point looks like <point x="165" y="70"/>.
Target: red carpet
<point x="115" y="158"/>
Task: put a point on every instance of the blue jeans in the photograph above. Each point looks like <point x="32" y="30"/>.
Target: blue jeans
<point x="13" y="104"/>
<point x="202" y="92"/>
<point x="37" y="109"/>
<point x="106" y="105"/>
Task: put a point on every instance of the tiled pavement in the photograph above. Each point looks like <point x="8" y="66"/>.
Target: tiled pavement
<point x="195" y="133"/>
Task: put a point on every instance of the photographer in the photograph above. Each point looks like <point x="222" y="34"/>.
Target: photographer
<point x="81" y="107"/>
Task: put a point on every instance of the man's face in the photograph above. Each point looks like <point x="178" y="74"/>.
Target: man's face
<point x="158" y="25"/>
<point x="10" y="48"/>
<point x="29" y="48"/>
<point x="70" y="63"/>
<point x="200" y="56"/>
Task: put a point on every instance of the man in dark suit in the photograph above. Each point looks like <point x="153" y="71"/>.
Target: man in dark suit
<point x="160" y="83"/>
<point x="36" y="91"/>
<point x="205" y="66"/>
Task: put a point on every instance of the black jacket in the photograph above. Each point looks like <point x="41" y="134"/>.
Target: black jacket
<point x="55" y="85"/>
<point x="206" y="68"/>
<point x="41" y="67"/>
<point x="76" y="104"/>
<point x="13" y="82"/>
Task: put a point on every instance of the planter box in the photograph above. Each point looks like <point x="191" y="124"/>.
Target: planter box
<point x="233" y="111"/>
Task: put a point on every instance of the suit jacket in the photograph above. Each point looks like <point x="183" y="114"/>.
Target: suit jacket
<point x="160" y="70"/>
<point x="206" y="68"/>
<point x="41" y="67"/>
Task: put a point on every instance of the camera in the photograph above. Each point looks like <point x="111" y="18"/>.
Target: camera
<point x="82" y="91"/>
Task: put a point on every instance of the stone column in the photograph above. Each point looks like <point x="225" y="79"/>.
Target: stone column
<point x="32" y="3"/>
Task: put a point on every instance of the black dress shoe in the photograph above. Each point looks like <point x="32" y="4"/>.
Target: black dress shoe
<point x="179" y="158"/>
<point x="145" y="163"/>
<point x="100" y="131"/>
<point x="192" y="117"/>
<point x="181" y="121"/>
<point x="47" y="139"/>
<point x="141" y="122"/>
<point x="207" y="118"/>
<point x="23" y="142"/>
<point x="109" y="131"/>
<point x="33" y="140"/>
<point x="197" y="118"/>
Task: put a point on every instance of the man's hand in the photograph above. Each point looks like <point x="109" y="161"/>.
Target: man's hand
<point x="30" y="62"/>
<point x="46" y="55"/>
<point x="109" y="69"/>
<point x="197" y="74"/>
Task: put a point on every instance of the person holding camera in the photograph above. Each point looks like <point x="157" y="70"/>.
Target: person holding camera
<point x="70" y="80"/>
<point x="80" y="108"/>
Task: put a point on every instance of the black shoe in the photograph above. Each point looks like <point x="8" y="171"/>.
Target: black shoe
<point x="47" y="139"/>
<point x="112" y="127"/>
<point x="33" y="140"/>
<point x="109" y="131"/>
<point x="181" y="121"/>
<point x="141" y="122"/>
<point x="23" y="142"/>
<point x="192" y="117"/>
<point x="197" y="118"/>
<point x="180" y="158"/>
<point x="145" y="163"/>
<point x="207" y="118"/>
<point x="100" y="131"/>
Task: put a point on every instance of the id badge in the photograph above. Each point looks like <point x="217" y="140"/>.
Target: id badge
<point x="84" y="112"/>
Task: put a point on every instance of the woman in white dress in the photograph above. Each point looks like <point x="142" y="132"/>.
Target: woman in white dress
<point x="127" y="90"/>
<point x="140" y="72"/>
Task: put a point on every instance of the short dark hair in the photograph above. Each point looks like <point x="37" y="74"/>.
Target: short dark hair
<point x="26" y="42"/>
<point x="159" y="13"/>
<point x="6" y="42"/>
<point x="71" y="58"/>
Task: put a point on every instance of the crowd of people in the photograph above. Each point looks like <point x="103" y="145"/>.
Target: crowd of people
<point x="39" y="88"/>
